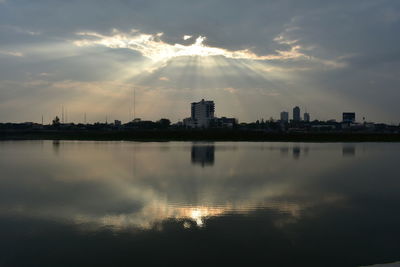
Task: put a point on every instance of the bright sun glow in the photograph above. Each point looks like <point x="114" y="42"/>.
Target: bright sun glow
<point x="151" y="46"/>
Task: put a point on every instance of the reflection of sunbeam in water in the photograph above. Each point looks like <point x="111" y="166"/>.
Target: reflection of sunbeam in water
<point x="157" y="212"/>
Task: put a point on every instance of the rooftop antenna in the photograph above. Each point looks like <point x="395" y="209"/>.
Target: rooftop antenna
<point x="134" y="104"/>
<point x="130" y="110"/>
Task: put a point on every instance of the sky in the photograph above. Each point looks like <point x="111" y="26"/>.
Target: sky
<point x="254" y="58"/>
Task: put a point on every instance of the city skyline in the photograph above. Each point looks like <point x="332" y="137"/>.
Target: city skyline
<point x="254" y="59"/>
<point x="297" y="114"/>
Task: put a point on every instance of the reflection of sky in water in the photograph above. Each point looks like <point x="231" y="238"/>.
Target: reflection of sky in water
<point x="137" y="184"/>
<point x="126" y="185"/>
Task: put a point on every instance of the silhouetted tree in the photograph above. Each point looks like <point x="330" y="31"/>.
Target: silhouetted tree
<point x="164" y="123"/>
<point x="56" y="121"/>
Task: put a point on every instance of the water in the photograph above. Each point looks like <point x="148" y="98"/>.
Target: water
<point x="72" y="203"/>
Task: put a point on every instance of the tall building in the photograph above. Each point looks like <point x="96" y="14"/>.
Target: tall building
<point x="306" y="117"/>
<point x="349" y="117"/>
<point x="202" y="113"/>
<point x="203" y="110"/>
<point x="284" y="116"/>
<point x="296" y="114"/>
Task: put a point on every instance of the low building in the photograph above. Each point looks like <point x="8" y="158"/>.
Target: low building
<point x="190" y="123"/>
<point x="224" y="122"/>
<point x="348" y="117"/>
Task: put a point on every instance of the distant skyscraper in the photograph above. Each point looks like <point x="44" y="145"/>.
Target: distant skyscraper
<point x="306" y="117"/>
<point x="349" y="117"/>
<point x="296" y="114"/>
<point x="284" y="116"/>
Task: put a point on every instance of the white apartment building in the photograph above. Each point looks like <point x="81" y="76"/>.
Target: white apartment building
<point x="202" y="113"/>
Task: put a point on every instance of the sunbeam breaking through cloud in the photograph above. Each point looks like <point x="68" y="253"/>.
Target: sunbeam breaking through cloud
<point x="152" y="46"/>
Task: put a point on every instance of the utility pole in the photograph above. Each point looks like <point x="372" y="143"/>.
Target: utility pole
<point x="62" y="114"/>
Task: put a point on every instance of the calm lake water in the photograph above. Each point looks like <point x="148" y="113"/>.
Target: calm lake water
<point x="71" y="203"/>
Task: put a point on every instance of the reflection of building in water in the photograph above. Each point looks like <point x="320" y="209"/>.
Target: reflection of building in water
<point x="296" y="152"/>
<point x="203" y="154"/>
<point x="56" y="146"/>
<point x="348" y="151"/>
<point x="284" y="151"/>
<point x="305" y="150"/>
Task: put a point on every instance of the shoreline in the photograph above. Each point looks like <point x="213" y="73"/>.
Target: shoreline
<point x="165" y="136"/>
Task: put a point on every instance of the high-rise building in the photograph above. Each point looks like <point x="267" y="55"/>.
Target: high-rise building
<point x="203" y="110"/>
<point x="284" y="116"/>
<point x="306" y="117"/>
<point x="296" y="114"/>
<point x="201" y="114"/>
<point x="349" y="117"/>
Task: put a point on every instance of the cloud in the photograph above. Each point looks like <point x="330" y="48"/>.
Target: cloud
<point x="230" y="90"/>
<point x="11" y="53"/>
<point x="44" y="74"/>
<point x="18" y="30"/>
<point x="163" y="78"/>
<point x="151" y="46"/>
